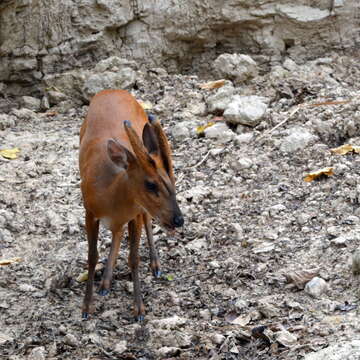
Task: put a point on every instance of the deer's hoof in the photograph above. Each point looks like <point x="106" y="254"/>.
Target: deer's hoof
<point x="140" y="318"/>
<point x="85" y="315"/>
<point x="103" y="292"/>
<point x="157" y="273"/>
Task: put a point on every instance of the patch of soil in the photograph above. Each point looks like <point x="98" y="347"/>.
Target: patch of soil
<point x="224" y="292"/>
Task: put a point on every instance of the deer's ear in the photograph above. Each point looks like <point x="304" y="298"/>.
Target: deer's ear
<point x="150" y="140"/>
<point x="118" y="154"/>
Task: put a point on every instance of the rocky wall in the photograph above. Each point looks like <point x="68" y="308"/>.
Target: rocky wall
<point x="40" y="38"/>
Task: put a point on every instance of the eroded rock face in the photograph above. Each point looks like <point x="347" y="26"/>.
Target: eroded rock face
<point x="47" y="37"/>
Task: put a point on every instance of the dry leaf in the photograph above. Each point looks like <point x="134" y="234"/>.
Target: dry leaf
<point x="146" y="105"/>
<point x="84" y="276"/>
<point x="328" y="171"/>
<point x="301" y="277"/>
<point x="212" y="84"/>
<point x="10" y="261"/>
<point x="242" y="320"/>
<point x="344" y="149"/>
<point x="200" y="129"/>
<point x="9" y="153"/>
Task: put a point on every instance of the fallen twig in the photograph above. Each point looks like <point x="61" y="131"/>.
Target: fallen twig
<point x="201" y="161"/>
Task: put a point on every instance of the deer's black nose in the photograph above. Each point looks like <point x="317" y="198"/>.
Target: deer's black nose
<point x="178" y="221"/>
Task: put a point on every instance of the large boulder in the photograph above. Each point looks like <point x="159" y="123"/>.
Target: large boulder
<point x="236" y="67"/>
<point x="112" y="73"/>
<point x="246" y="110"/>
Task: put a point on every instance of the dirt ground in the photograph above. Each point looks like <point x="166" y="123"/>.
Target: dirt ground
<point x="252" y="226"/>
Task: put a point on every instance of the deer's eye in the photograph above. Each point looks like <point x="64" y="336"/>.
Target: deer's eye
<point x="151" y="187"/>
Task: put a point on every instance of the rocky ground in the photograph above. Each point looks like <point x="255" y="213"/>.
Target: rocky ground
<point x="263" y="266"/>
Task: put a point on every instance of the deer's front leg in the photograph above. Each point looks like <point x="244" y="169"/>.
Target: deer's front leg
<point x="154" y="257"/>
<point x="110" y="264"/>
<point x="135" y="227"/>
<point x="92" y="231"/>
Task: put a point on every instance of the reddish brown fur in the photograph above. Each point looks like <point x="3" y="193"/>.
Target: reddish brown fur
<point x="112" y="183"/>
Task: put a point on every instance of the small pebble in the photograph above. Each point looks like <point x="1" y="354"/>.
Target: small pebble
<point x="316" y="287"/>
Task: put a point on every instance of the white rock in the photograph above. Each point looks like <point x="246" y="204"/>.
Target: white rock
<point x="243" y="138"/>
<point x="169" y="323"/>
<point x="290" y="65"/>
<point x="24" y="114"/>
<point x="218" y="102"/>
<point x="180" y="132"/>
<point x="242" y="163"/>
<point x="122" y="79"/>
<point x="7" y="121"/>
<point x="71" y="340"/>
<point x="120" y="347"/>
<point x="241" y="304"/>
<point x="316" y="287"/>
<point x="214" y="264"/>
<point x="246" y="110"/>
<point x="303" y="13"/>
<point x="355" y="262"/>
<point x="217" y="339"/>
<point x="5" y="338"/>
<point x="342" y="351"/>
<point x="27" y="288"/>
<point x="340" y="240"/>
<point x="37" y="353"/>
<point x="219" y="131"/>
<point x="205" y="314"/>
<point x="196" y="194"/>
<point x="197" y="244"/>
<point x="215" y="152"/>
<point x="113" y="63"/>
<point x="31" y="103"/>
<point x="285" y="338"/>
<point x="235" y="67"/>
<point x="55" y="97"/>
<point x="298" y="139"/>
<point x="167" y="351"/>
<point x="264" y="247"/>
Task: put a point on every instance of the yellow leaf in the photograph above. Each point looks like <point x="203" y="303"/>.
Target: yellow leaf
<point x="212" y="84"/>
<point x="328" y="171"/>
<point x="9" y="153"/>
<point x="85" y="275"/>
<point x="201" y="129"/>
<point x="146" y="105"/>
<point x="10" y="261"/>
<point x="344" y="149"/>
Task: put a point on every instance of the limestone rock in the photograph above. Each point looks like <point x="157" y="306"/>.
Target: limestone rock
<point x="180" y="132"/>
<point x="158" y="34"/>
<point x="342" y="351"/>
<point x="56" y="97"/>
<point x="218" y="102"/>
<point x="246" y="110"/>
<point x="244" y="138"/>
<point x="316" y="287"/>
<point x="31" y="103"/>
<point x="7" y="121"/>
<point x="37" y="353"/>
<point x="169" y="323"/>
<point x="123" y="79"/>
<point x="120" y="347"/>
<point x="297" y="139"/>
<point x="219" y="131"/>
<point x="236" y="67"/>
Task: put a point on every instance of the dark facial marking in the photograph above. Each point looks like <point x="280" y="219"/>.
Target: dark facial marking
<point x="151" y="187"/>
